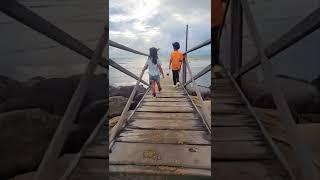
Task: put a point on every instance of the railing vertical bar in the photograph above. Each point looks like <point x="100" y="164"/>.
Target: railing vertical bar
<point x="184" y="71"/>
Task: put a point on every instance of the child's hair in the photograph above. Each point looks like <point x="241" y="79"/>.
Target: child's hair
<point x="176" y="45"/>
<point x="153" y="55"/>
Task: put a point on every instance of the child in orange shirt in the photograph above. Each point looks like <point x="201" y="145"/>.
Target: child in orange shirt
<point x="176" y="59"/>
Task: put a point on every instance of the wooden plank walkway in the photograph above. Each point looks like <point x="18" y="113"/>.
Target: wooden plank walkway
<point x="240" y="150"/>
<point x="164" y="137"/>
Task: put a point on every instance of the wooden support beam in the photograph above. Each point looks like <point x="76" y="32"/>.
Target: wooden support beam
<point x="201" y="73"/>
<point x="236" y="36"/>
<point x="123" y="47"/>
<point x="22" y="14"/>
<point x="207" y="42"/>
<point x="115" y="130"/>
<point x="184" y="70"/>
<point x="305" y="27"/>
<point x="204" y="112"/>
<point x="68" y="118"/>
<point x="301" y="151"/>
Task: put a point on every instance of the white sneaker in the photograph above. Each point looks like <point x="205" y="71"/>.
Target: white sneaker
<point x="178" y="83"/>
<point x="174" y="86"/>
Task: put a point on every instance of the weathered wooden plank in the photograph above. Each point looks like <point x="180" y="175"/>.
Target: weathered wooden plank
<point x="165" y="136"/>
<point x="164" y="109"/>
<point x="97" y="151"/>
<point x="228" y="101"/>
<point x="228" y="108"/>
<point x="168" y="124"/>
<point x="159" y="99"/>
<point x="225" y="94"/>
<point x="176" y="104"/>
<point x="167" y="116"/>
<point x="240" y="150"/>
<point x="225" y="91"/>
<point x="189" y="156"/>
<point x="262" y="170"/>
<point x="236" y="134"/>
<point x="169" y="95"/>
<point x="158" y="170"/>
<point x="233" y="120"/>
<point x="91" y="169"/>
<point x="169" y="92"/>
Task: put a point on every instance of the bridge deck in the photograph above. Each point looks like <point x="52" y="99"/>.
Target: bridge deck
<point x="164" y="136"/>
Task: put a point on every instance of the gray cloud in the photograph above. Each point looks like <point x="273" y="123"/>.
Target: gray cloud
<point x="143" y="23"/>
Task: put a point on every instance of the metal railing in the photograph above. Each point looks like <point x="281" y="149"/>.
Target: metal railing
<point x="308" y="25"/>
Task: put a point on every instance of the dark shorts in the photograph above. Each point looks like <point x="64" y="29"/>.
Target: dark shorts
<point x="154" y="78"/>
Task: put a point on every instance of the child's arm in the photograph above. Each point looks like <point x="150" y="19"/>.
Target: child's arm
<point x="161" y="70"/>
<point x="170" y="63"/>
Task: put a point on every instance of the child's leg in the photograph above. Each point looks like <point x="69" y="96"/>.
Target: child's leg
<point x="177" y="76"/>
<point x="174" y="77"/>
<point x="153" y="86"/>
<point x="159" y="87"/>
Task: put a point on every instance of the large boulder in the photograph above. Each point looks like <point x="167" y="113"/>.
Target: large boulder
<point x="124" y="91"/>
<point x="54" y="94"/>
<point x="9" y="88"/>
<point x="25" y="136"/>
<point x="116" y="105"/>
<point x="204" y="91"/>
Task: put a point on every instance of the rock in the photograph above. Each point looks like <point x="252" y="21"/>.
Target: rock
<point x="31" y="82"/>
<point x="113" y="121"/>
<point x="316" y="82"/>
<point x="301" y="97"/>
<point x="87" y="120"/>
<point x="54" y="94"/>
<point x="124" y="91"/>
<point x="8" y="88"/>
<point x="116" y="105"/>
<point x="25" y="136"/>
<point x="60" y="165"/>
<point x="114" y="91"/>
<point x="204" y="91"/>
<point x="136" y="100"/>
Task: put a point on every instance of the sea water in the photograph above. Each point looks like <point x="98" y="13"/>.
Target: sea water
<point x="136" y="63"/>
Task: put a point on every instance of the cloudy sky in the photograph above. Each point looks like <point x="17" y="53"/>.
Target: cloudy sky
<point x="142" y="24"/>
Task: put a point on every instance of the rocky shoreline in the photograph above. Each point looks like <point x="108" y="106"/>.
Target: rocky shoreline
<point x="30" y="112"/>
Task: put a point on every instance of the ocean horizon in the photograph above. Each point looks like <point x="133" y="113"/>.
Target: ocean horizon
<point x="136" y="63"/>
